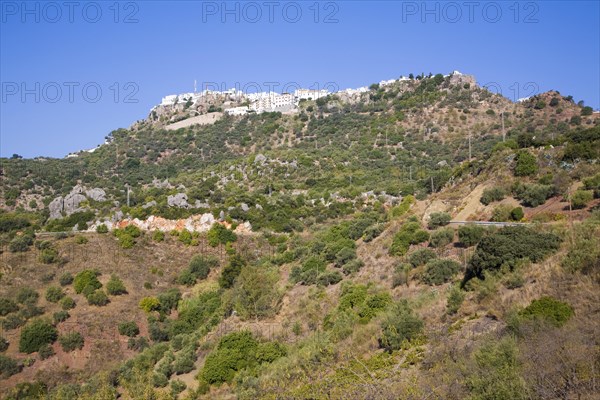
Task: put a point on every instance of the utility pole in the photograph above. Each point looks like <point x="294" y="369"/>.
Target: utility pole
<point x="432" y="191"/>
<point x="410" y="172"/>
<point x="469" y="147"/>
<point x="127" y="186"/>
<point x="503" y="133"/>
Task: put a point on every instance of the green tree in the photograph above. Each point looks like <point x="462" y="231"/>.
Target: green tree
<point x="255" y="293"/>
<point x="231" y="271"/>
<point x="400" y="325"/>
<point x="526" y="164"/>
<point x="36" y="334"/>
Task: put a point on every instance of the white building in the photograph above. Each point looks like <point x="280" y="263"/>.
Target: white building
<point x="238" y="110"/>
<point x="310" y="94"/>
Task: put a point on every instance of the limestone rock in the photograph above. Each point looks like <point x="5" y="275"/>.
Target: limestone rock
<point x="96" y="194"/>
<point x="56" y="207"/>
<point x="178" y="200"/>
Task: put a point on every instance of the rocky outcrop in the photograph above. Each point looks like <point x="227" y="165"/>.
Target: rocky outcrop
<point x="96" y="194"/>
<point x="56" y="208"/>
<point x="178" y="200"/>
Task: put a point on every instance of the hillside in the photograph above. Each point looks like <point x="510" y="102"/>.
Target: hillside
<point x="424" y="238"/>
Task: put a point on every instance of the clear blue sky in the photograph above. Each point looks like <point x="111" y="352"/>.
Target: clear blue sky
<point x="555" y="45"/>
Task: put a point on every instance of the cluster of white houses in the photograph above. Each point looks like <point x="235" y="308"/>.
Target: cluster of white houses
<point x="267" y="101"/>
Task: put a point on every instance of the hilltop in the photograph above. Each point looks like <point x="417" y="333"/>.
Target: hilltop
<point x="327" y="249"/>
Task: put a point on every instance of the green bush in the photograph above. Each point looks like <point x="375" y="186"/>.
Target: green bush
<point x="71" y="341"/>
<point x="455" y="299"/>
<point x="526" y="164"/>
<point x="502" y="213"/>
<point x="66" y="279"/>
<point x="490" y="195"/>
<point x="508" y="246"/>
<point x="7" y="306"/>
<point x="470" y="234"/>
<point x="81" y="239"/>
<point x="409" y="233"/>
<point x="421" y="257"/>
<point x="137" y="344"/>
<point x="102" y="228"/>
<point x="234" y="352"/>
<point x="548" y="309"/>
<point x="440" y="271"/>
<point x="86" y="280"/>
<point x="533" y="195"/>
<point x="442" y="237"/>
<point x="200" y="266"/>
<point x="46" y="351"/>
<point x="49" y="256"/>
<point x="373" y="232"/>
<point x="129" y="328"/>
<point x="36" y="334"/>
<point x="400" y="325"/>
<point x="353" y="266"/>
<point x="581" y="198"/>
<point x="255" y="294"/>
<point x="60" y="316"/>
<point x="438" y="219"/>
<point x="13" y="321"/>
<point x="231" y="271"/>
<point x="3" y="344"/>
<point x="27" y="296"/>
<point x="329" y="278"/>
<point x="54" y="294"/>
<point x="67" y="303"/>
<point x="593" y="183"/>
<point x="20" y="244"/>
<point x="158" y="236"/>
<point x="115" y="286"/>
<point x="8" y="367"/>
<point x="218" y="234"/>
<point x="149" y="304"/>
<point x="517" y="214"/>
<point x="97" y="298"/>
<point x="268" y="352"/>
<point x="185" y="237"/>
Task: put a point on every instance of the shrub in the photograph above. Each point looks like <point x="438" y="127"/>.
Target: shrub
<point x="400" y="325"/>
<point x="49" y="256"/>
<point x="440" y="271"/>
<point x="593" y="183"/>
<point x="7" y="306"/>
<point x="169" y="300"/>
<point x="71" y="341"/>
<point x="67" y="303"/>
<point x="344" y="256"/>
<point x="86" y="280"/>
<point x="60" y="316"/>
<point x="526" y="164"/>
<point x="490" y="195"/>
<point x="8" y="367"/>
<point x="329" y="278"/>
<point x="149" y="304"/>
<point x="442" y="237"/>
<point x="97" y="298"/>
<point x="502" y="213"/>
<point x="353" y="266"/>
<point x="517" y="214"/>
<point x="234" y="352"/>
<point x="126" y="241"/>
<point x="27" y="295"/>
<point x="129" y="328"/>
<point x="54" y="294"/>
<point x="587" y="110"/>
<point x="13" y="321"/>
<point x="455" y="299"/>
<point x="310" y="270"/>
<point x="137" y="344"/>
<point x="508" y="246"/>
<point x="3" y="345"/>
<point x="185" y="237"/>
<point x="438" y="219"/>
<point x="231" y="271"/>
<point x="102" y="228"/>
<point x="470" y="234"/>
<point x="373" y="232"/>
<point x="115" y="286"/>
<point x="421" y="257"/>
<point x="46" y="351"/>
<point x="533" y="195"/>
<point x="548" y="309"/>
<point x="581" y="198"/>
<point x="20" y="244"/>
<point x="409" y="233"/>
<point x="36" y="334"/>
<point x="200" y="266"/>
<point x="81" y="239"/>
<point x="270" y="351"/>
<point x="66" y="279"/>
<point x="255" y="293"/>
<point x="158" y="236"/>
<point x="218" y="234"/>
<point x="184" y="362"/>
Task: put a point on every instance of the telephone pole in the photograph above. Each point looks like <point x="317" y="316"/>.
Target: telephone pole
<point x="503" y="132"/>
<point x="469" y="147"/>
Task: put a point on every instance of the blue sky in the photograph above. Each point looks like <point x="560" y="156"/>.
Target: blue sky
<point x="149" y="49"/>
